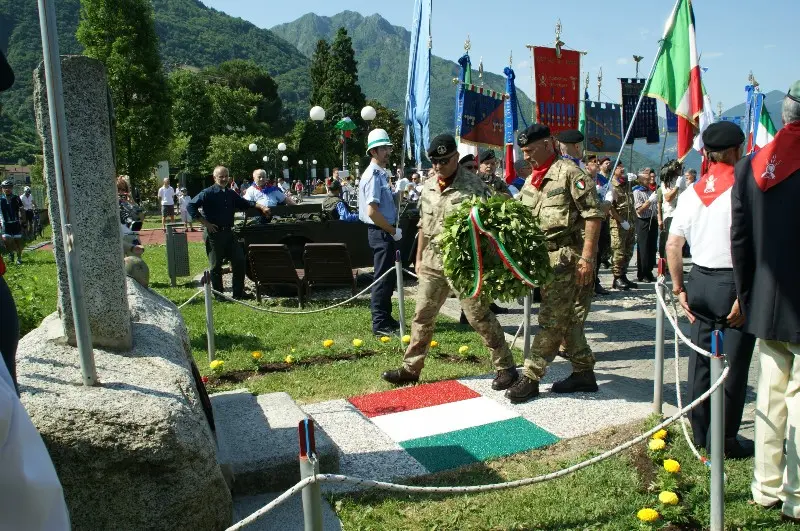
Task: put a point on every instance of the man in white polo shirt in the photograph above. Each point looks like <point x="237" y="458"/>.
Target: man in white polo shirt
<point x="703" y="219"/>
<point x="166" y="195"/>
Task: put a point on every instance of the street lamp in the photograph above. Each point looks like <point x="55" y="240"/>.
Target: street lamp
<point x="253" y="148"/>
<point x="281" y="147"/>
<point x="317" y="113"/>
<point x="368" y="113"/>
<point x="358" y="174"/>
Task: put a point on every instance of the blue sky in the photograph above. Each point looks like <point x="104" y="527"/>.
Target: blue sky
<point x="732" y="41"/>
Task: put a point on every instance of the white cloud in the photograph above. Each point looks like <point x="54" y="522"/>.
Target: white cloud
<point x="622" y="61"/>
<point x="770" y="46"/>
<point x="712" y="55"/>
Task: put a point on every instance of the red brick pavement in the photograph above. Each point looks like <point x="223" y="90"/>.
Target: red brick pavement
<point x="149" y="237"/>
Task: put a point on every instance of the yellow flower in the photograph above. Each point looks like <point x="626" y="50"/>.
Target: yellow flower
<point x="293" y="349"/>
<point x="328" y="343"/>
<point x="670" y="465"/>
<point x="668" y="498"/>
<point x="385" y="339"/>
<point x="289" y="359"/>
<point x="406" y="338"/>
<point x="656" y="444"/>
<point x="463" y="349"/>
<point x="256" y="355"/>
<point x="216" y="364"/>
<point x="357" y="343"/>
<point x="660" y="434"/>
<point x="434" y="344"/>
<point x="647" y="515"/>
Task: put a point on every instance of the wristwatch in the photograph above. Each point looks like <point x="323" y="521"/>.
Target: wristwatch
<point x="678" y="291"/>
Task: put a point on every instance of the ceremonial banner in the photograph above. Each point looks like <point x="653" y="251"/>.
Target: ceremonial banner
<point x="480" y="119"/>
<point x="511" y="124"/>
<point x="557" y="91"/>
<point x="672" y="121"/>
<point x="603" y="127"/>
<point x="418" y="90"/>
<point x="646" y="123"/>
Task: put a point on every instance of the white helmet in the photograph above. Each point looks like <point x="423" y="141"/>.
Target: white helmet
<point x="377" y="137"/>
<point x="27" y="189"/>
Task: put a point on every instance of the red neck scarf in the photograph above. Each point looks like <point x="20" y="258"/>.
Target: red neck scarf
<point x="715" y="182"/>
<point x="539" y="172"/>
<point x="779" y="159"/>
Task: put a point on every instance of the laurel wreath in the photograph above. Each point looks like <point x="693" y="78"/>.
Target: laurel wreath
<point x="494" y="248"/>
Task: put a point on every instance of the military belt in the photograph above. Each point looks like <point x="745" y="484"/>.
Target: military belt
<point x="564" y="241"/>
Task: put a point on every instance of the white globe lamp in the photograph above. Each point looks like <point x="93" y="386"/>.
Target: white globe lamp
<point x="253" y="148"/>
<point x="281" y="147"/>
<point x="317" y="113"/>
<point x="368" y="113"/>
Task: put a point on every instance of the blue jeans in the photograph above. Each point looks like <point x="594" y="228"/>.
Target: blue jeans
<point x="383" y="255"/>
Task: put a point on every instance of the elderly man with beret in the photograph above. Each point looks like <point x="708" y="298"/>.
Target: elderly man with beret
<point x="564" y="199"/>
<point x="442" y="194"/>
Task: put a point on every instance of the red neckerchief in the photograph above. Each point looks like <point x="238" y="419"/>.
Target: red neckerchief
<point x="715" y="182"/>
<point x="444" y="183"/>
<point x="540" y="171"/>
<point x="779" y="159"/>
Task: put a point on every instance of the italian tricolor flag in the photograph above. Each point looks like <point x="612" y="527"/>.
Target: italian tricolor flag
<point x="676" y="79"/>
<point x="765" y="132"/>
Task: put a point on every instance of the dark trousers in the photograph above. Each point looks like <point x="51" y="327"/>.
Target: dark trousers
<point x="646" y="245"/>
<point x="383" y="255"/>
<point x="662" y="238"/>
<point x="219" y="246"/>
<point x="9" y="330"/>
<point x="711" y="294"/>
<point x="603" y="246"/>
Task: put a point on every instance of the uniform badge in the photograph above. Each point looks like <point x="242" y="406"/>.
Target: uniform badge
<point x="710" y="185"/>
<point x="441" y="150"/>
<point x="580" y="184"/>
<point x="523" y="139"/>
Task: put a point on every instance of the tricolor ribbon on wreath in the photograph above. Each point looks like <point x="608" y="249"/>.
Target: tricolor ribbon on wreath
<point x="476" y="230"/>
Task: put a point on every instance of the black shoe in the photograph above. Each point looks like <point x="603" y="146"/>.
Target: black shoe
<point x="394" y="324"/>
<point x="497" y="310"/>
<point x="650" y="277"/>
<point x="388" y="332"/>
<point x="400" y="376"/>
<point x="631" y="285"/>
<point x="577" y="382"/>
<point x="463" y="319"/>
<point x="244" y="296"/>
<point x="619" y="284"/>
<point x="505" y="378"/>
<point x="599" y="289"/>
<point x="736" y="448"/>
<point x="523" y="390"/>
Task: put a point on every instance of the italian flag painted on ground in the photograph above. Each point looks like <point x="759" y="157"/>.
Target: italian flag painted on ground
<point x="446" y="425"/>
<point x="676" y="79"/>
<point x="765" y="132"/>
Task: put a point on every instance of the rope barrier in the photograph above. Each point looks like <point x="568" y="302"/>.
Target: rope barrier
<point x="382" y="485"/>
<point x="306" y="312"/>
<point x="197" y="294"/>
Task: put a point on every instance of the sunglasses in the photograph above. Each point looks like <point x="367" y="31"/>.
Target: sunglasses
<point x="471" y="167"/>
<point x="442" y="160"/>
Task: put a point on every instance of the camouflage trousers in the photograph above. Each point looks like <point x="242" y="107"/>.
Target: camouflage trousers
<point x="432" y="292"/>
<point x="621" y="248"/>
<point x="562" y="313"/>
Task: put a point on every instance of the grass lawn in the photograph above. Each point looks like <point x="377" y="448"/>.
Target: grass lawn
<point x="604" y="496"/>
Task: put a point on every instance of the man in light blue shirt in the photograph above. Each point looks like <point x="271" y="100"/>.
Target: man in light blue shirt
<point x="377" y="208"/>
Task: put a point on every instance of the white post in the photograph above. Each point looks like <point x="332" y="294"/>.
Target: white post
<point x="209" y="316"/>
<point x="658" y="376"/>
<point x="398" y="265"/>
<point x="717" y="436"/>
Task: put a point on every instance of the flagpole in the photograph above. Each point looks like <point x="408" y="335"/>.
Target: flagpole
<point x="641" y="95"/>
<point x="663" y="147"/>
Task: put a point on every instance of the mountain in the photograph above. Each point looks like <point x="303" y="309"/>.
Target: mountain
<point x="382" y="55"/>
<point x="190" y="34"/>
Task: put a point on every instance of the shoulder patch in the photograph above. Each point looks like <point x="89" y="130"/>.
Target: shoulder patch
<point x="580" y="183"/>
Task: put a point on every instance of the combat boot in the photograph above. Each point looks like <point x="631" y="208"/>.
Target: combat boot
<point x="619" y="284"/>
<point x="400" y="376"/>
<point x="504" y="379"/>
<point x="577" y="382"/>
<point x="598" y="288"/>
<point x="523" y="390"/>
<point x="631" y="285"/>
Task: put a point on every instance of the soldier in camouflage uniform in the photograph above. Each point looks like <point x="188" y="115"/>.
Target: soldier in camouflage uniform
<point x="560" y="195"/>
<point x="441" y="195"/>
<point x="622" y="235"/>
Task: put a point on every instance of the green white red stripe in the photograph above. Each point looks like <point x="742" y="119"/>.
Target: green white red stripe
<point x="676" y="79"/>
<point x="765" y="133"/>
<point x="445" y="425"/>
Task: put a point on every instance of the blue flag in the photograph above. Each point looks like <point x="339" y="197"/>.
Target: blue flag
<point x="418" y="91"/>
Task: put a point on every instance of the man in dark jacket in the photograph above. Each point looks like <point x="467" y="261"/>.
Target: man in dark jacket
<point x="334" y="207"/>
<point x="765" y="256"/>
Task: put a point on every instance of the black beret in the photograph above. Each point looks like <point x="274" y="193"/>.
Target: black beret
<point x="720" y="136"/>
<point x="570" y="136"/>
<point x="602" y="160"/>
<point x="466" y="158"/>
<point x="532" y="134"/>
<point x="486" y="155"/>
<point x="442" y="145"/>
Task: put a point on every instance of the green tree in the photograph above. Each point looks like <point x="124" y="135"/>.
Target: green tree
<point x="121" y="34"/>
<point x="232" y="152"/>
<point x="192" y="121"/>
<point x="241" y="74"/>
<point x="318" y="72"/>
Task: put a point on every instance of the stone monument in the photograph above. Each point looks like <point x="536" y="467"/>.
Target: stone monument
<point x="137" y="451"/>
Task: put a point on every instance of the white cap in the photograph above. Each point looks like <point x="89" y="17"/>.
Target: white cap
<point x="378" y="137"/>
